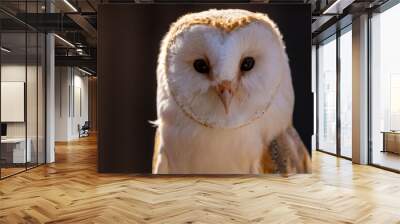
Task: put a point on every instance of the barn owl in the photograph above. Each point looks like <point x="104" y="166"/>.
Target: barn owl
<point x="225" y="98"/>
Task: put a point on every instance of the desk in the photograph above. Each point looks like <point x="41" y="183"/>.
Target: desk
<point x="391" y="141"/>
<point x="13" y="150"/>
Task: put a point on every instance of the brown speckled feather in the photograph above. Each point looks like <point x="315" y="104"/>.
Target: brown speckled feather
<point x="287" y="155"/>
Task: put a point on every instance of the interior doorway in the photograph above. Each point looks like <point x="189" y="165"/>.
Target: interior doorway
<point x="75" y="104"/>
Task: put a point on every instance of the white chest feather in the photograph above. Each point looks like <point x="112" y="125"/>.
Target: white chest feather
<point x="190" y="148"/>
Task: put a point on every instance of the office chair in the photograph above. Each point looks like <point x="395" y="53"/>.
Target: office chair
<point x="84" y="130"/>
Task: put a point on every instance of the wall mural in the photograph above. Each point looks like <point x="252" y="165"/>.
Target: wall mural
<point x="227" y="81"/>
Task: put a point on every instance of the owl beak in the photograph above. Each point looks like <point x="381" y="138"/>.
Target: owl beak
<point x="225" y="93"/>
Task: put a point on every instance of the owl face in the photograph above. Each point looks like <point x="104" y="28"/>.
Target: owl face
<point x="226" y="78"/>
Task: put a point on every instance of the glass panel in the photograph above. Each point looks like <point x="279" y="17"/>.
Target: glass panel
<point x="327" y="96"/>
<point x="385" y="84"/>
<point x="41" y="98"/>
<point x="31" y="87"/>
<point x="22" y="88"/>
<point x="31" y="100"/>
<point x="346" y="94"/>
<point x="13" y="89"/>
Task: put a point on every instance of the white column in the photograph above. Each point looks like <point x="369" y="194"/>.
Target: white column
<point x="50" y="99"/>
<point x="50" y="92"/>
<point x="360" y="90"/>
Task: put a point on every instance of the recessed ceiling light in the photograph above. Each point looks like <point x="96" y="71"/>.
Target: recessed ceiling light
<point x="65" y="41"/>
<point x="5" y="50"/>
<point x="70" y="5"/>
<point x="84" y="71"/>
<point x="337" y="7"/>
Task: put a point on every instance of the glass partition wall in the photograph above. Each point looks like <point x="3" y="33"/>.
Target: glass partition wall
<point x="385" y="89"/>
<point x="334" y="104"/>
<point x="13" y="84"/>
<point x="22" y="98"/>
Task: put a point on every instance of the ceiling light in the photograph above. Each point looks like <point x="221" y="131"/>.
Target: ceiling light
<point x="79" y="51"/>
<point x="84" y="71"/>
<point x="70" y="5"/>
<point x="65" y="41"/>
<point x="338" y="6"/>
<point x="5" y="50"/>
<point x="329" y="9"/>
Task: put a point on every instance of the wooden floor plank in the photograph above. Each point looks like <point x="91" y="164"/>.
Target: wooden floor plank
<point x="71" y="191"/>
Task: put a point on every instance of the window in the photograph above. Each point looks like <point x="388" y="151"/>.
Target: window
<point x="346" y="93"/>
<point x="327" y="96"/>
<point x="385" y="89"/>
<point x="334" y="137"/>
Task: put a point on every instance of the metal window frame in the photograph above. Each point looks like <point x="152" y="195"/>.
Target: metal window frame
<point x="339" y="32"/>
<point x="381" y="9"/>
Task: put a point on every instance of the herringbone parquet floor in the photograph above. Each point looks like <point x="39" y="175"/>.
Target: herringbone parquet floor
<point x="71" y="191"/>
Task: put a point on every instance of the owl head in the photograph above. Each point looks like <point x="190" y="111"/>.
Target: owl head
<point x="224" y="68"/>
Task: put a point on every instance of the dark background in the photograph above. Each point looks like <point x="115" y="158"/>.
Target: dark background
<point x="128" y="43"/>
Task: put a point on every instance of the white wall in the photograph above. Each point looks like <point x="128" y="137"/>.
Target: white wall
<point x="71" y="102"/>
<point x="62" y="82"/>
<point x="16" y="73"/>
<point x="80" y="111"/>
<point x="10" y="73"/>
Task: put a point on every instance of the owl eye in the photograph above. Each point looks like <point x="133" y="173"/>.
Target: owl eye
<point x="247" y="64"/>
<point x="201" y="66"/>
